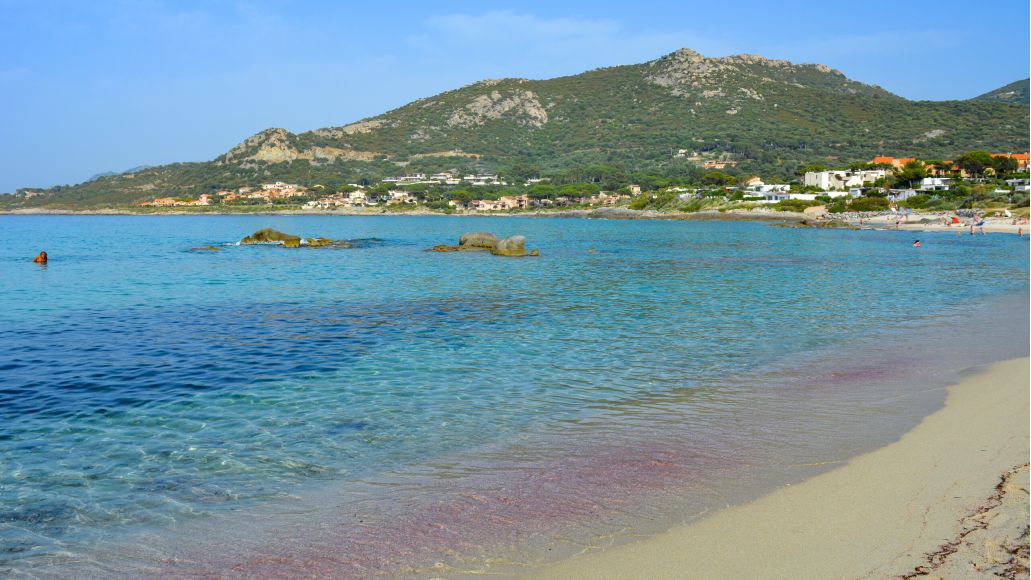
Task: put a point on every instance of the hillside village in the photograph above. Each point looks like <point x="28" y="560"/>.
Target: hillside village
<point x="889" y="180"/>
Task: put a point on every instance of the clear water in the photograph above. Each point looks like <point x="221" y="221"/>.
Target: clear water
<point x="151" y="395"/>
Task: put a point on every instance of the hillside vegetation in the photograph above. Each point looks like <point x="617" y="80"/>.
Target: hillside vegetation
<point x="665" y="116"/>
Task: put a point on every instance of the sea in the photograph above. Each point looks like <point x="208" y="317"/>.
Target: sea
<point x="382" y="410"/>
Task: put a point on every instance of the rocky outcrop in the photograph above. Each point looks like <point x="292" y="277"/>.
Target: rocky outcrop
<point x="818" y="223"/>
<point x="271" y="236"/>
<point x="514" y="246"/>
<point x="483" y="240"/>
<point x="279" y="145"/>
<point x="521" y="106"/>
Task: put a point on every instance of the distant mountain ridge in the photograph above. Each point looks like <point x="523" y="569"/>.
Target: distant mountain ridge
<point x="769" y="115"/>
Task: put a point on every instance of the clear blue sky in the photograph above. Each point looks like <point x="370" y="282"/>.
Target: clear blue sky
<point x="100" y="85"/>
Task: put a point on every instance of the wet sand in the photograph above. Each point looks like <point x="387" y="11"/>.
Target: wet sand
<point x="948" y="499"/>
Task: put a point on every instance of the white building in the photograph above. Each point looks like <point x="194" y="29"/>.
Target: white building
<point x="279" y="186"/>
<point x="841" y="179"/>
<point x="1019" y="184"/>
<point x="935" y="183"/>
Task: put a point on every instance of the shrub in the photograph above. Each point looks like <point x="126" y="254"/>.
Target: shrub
<point x="796" y="205"/>
<point x="869" y="204"/>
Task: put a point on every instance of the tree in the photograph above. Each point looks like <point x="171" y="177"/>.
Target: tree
<point x="808" y="168"/>
<point x="975" y="162"/>
<point x="1004" y="165"/>
<point x="911" y="172"/>
<point x="462" y="195"/>
<point x="717" y="178"/>
<point x="541" y="191"/>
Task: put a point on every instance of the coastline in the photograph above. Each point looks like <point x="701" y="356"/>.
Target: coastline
<point x="949" y="497"/>
<point x="618" y="213"/>
<point x="878" y="221"/>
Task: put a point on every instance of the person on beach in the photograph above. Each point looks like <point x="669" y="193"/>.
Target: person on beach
<point x="916" y="243"/>
<point x="40" y="259"/>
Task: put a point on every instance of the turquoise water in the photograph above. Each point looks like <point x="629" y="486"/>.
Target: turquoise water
<point x="146" y="388"/>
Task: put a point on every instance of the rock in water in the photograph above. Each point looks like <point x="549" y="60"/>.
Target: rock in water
<point x="271" y="236"/>
<point x="512" y="246"/>
<point x="483" y="240"/>
<point x="206" y="249"/>
<point x="317" y="242"/>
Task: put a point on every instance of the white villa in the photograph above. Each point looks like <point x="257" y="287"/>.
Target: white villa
<point x="841" y="179"/>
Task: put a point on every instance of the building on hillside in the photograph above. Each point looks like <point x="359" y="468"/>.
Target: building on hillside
<point x="509" y="202"/>
<point x="399" y="196"/>
<point x="841" y="179"/>
<point x="756" y="185"/>
<point x="901" y="194"/>
<point x="895" y="162"/>
<point x="279" y="186"/>
<point x="718" y="163"/>
<point x="483" y="180"/>
<point x="935" y="184"/>
<point x="485" y="205"/>
<point x="1019" y="184"/>
<point x="1021" y="159"/>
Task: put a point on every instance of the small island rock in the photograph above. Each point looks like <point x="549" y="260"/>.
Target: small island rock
<point x="271" y="236"/>
<point x="482" y="240"/>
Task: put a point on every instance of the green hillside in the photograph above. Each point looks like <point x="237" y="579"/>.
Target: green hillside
<point x="768" y="115"/>
<point x="1015" y="93"/>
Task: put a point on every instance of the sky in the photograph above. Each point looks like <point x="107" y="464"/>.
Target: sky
<point x="106" y="85"/>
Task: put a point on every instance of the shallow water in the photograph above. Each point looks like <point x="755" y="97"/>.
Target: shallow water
<point x="387" y="409"/>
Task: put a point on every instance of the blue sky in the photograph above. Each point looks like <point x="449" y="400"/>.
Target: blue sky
<point x="93" y="86"/>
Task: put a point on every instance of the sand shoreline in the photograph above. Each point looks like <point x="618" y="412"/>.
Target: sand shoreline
<point x="947" y="499"/>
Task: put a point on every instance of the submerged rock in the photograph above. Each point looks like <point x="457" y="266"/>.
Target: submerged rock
<point x="808" y="223"/>
<point x="206" y="249"/>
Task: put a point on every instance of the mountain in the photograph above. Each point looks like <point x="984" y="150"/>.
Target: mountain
<point x="770" y="115"/>
<point x="1015" y="93"/>
<point x="112" y="173"/>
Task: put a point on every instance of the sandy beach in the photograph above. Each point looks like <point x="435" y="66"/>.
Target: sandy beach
<point x="949" y="499"/>
<point x="934" y="224"/>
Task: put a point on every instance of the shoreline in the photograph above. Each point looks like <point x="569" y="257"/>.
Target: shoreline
<point x="873" y="221"/>
<point x="948" y="497"/>
<point x="617" y="213"/>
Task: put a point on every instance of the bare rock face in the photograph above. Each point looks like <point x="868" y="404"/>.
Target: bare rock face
<point x="279" y="145"/>
<point x="689" y="74"/>
<point x="522" y="106"/>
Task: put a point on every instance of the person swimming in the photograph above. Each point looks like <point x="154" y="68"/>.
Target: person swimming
<point x="916" y="243"/>
<point x="41" y="258"/>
